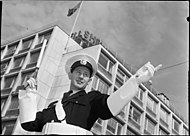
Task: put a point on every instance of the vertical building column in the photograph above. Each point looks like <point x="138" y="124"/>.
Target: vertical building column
<point x="35" y="41"/>
<point x="127" y="117"/>
<point x="158" y="116"/>
<point x="144" y="106"/>
<point x="170" y="122"/>
<point x="19" y="46"/>
<point x="142" y="122"/>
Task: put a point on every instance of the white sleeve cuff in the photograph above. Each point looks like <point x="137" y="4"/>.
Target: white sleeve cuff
<point x="27" y="105"/>
<point x="122" y="96"/>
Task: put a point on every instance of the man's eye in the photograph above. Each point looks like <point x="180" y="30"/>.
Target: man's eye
<point x="85" y="74"/>
<point x="79" y="72"/>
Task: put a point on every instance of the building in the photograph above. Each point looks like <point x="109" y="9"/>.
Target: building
<point x="148" y="113"/>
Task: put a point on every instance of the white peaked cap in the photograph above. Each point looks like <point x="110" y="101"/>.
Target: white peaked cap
<point x="83" y="59"/>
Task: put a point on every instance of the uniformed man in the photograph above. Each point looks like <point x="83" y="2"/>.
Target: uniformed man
<point x="77" y="111"/>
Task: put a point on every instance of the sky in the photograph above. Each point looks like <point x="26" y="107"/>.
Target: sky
<point x="138" y="31"/>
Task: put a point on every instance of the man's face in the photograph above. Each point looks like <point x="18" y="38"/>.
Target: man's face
<point x="80" y="77"/>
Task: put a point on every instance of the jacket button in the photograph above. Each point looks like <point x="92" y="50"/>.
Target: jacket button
<point x="76" y="102"/>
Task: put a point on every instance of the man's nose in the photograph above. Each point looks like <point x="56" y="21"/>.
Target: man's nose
<point x="81" y="75"/>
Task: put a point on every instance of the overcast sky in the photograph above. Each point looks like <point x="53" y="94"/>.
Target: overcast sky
<point x="138" y="31"/>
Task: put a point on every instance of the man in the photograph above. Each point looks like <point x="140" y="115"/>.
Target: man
<point x="77" y="111"/>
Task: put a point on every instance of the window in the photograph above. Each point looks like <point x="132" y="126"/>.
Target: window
<point x="130" y="132"/>
<point x="25" y="76"/>
<point x="99" y="121"/>
<point x="151" y="104"/>
<point x="113" y="127"/>
<point x="9" y="82"/>
<point x="175" y="125"/>
<point x="120" y="75"/>
<point x="164" y="114"/>
<point x="150" y="126"/>
<point x="162" y="132"/>
<point x="106" y="63"/>
<point x="135" y="114"/>
<point x="13" y="107"/>
<point x="100" y="85"/>
<point x="98" y="125"/>
<point x="122" y="112"/>
<point x="43" y="36"/>
<point x="110" y="68"/>
<point x="3" y="101"/>
<point x="19" y="61"/>
<point x="4" y="66"/>
<point x="103" y="61"/>
<point x="14" y="102"/>
<point x="94" y="83"/>
<point x="7" y="127"/>
<point x="12" y="48"/>
<point x="27" y="43"/>
<point x="103" y="87"/>
<point x="139" y="94"/>
<point x="120" y="78"/>
<point x="185" y="131"/>
<point x="2" y="50"/>
<point x="34" y="57"/>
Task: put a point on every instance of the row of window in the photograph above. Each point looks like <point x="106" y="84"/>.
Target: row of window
<point x="102" y="86"/>
<point x="18" y="62"/>
<point x="151" y="104"/>
<point x="10" y="102"/>
<point x="26" y="44"/>
<point x="10" y="81"/>
<point x="114" y="127"/>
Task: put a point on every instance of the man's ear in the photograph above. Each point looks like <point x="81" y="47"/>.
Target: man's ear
<point x="69" y="75"/>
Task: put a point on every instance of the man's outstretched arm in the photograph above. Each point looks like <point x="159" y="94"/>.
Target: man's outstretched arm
<point x="125" y="93"/>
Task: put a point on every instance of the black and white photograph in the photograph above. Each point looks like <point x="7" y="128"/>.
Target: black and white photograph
<point x="94" y="67"/>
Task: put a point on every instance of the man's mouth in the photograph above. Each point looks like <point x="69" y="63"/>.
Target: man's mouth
<point x="79" y="82"/>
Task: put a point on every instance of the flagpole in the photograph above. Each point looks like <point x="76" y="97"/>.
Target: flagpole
<point x="73" y="26"/>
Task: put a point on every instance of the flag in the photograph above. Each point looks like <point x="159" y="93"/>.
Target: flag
<point x="71" y="11"/>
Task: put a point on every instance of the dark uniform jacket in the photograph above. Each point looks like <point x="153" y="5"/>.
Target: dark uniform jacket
<point x="82" y="109"/>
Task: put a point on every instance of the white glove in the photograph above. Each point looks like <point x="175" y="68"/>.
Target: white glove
<point x="146" y="72"/>
<point x="30" y="83"/>
<point x="28" y="101"/>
